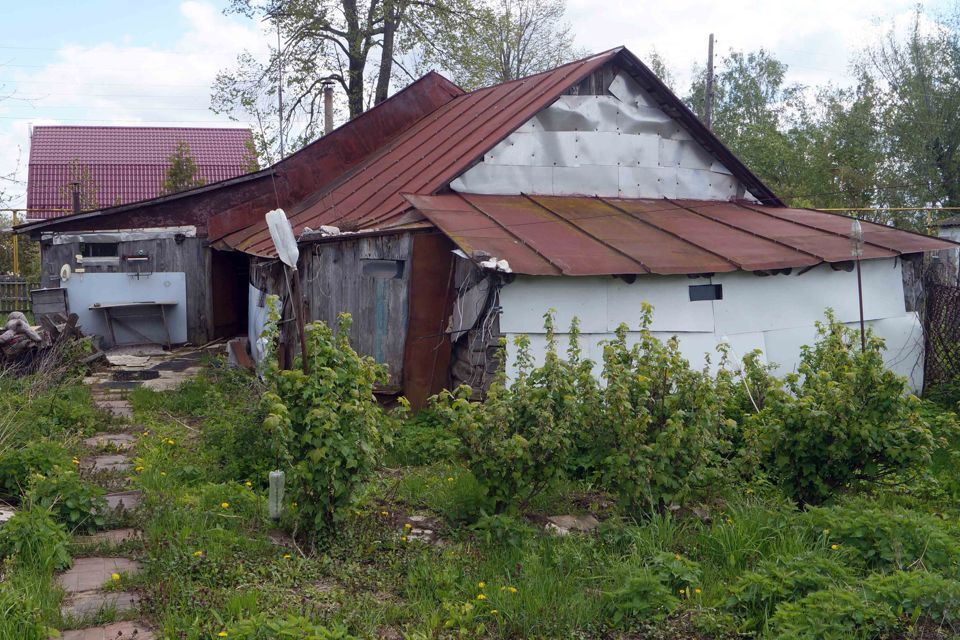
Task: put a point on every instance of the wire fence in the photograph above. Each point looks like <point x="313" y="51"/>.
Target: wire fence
<point x="942" y="363"/>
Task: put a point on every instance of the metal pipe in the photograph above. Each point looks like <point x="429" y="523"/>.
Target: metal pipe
<point x="76" y="196"/>
<point x="327" y="106"/>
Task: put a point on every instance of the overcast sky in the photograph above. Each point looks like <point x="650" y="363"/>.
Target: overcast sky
<point x="122" y="62"/>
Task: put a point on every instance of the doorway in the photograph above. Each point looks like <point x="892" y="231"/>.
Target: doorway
<point x="230" y="271"/>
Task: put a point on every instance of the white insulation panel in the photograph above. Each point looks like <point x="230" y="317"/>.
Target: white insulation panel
<point x="774" y="314"/>
<point x="86" y="289"/>
<point x="618" y="145"/>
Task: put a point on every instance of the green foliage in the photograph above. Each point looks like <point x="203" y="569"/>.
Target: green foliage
<point x="518" y="441"/>
<point x="18" y="465"/>
<point x="844" y="419"/>
<point x="834" y="614"/>
<point x="329" y="422"/>
<point x="658" y="421"/>
<point x="502" y="530"/>
<point x="678" y="572"/>
<point x="889" y="538"/>
<point x="290" y="627"/>
<point x="76" y="504"/>
<point x="182" y="172"/>
<point x="756" y="594"/>
<point x="643" y="596"/>
<point x="918" y="594"/>
<point x="33" y="538"/>
<point x="18" y="618"/>
<point x="423" y="439"/>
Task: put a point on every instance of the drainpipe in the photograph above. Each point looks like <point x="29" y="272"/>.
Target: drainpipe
<point x="327" y="106"/>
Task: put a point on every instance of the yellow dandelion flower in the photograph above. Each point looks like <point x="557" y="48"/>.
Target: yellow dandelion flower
<point x="171" y="442"/>
<point x="222" y="634"/>
<point x="494" y="611"/>
<point x="834" y="546"/>
<point x="75" y="461"/>
<point x="115" y="577"/>
<point x="197" y="554"/>
<point x="826" y="532"/>
<point x="163" y="473"/>
<point x="676" y="556"/>
<point x="139" y="469"/>
<point x="481" y="584"/>
<point x="403" y="538"/>
<point x="384" y="513"/>
<point x="287" y="556"/>
<point x="512" y="589"/>
<point x="480" y="596"/>
<point x="408" y="526"/>
<point x="450" y="479"/>
<point x="749" y="491"/>
<point x="698" y="591"/>
<point x="224" y="505"/>
<point x="248" y="484"/>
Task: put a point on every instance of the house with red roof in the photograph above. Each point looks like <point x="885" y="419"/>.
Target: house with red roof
<point x="120" y="165"/>
<point x="445" y="220"/>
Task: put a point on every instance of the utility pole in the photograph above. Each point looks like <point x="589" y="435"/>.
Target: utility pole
<point x="280" y="90"/>
<point x="708" y="94"/>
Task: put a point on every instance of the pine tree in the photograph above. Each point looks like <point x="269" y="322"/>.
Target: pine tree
<point x="182" y="174"/>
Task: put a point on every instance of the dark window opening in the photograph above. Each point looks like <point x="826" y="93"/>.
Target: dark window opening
<point x="100" y="250"/>
<point x="699" y="292"/>
<point x="382" y="269"/>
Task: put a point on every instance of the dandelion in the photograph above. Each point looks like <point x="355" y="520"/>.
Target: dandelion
<point x="512" y="589"/>
<point x="222" y="634"/>
<point x="826" y="532"/>
<point x="749" y="490"/>
<point x="481" y="584"/>
<point x="115" y="577"/>
<point x="834" y="546"/>
<point x="385" y="513"/>
<point x="139" y="469"/>
<point x="403" y="538"/>
<point x="676" y="556"/>
<point x="163" y="473"/>
<point x="480" y="596"/>
<point x="494" y="611"/>
<point x="248" y="484"/>
<point x="287" y="556"/>
<point x="76" y="461"/>
<point x="408" y="526"/>
<point x="224" y="505"/>
<point x="698" y="591"/>
<point x="450" y="479"/>
<point x="197" y="554"/>
<point x="171" y="442"/>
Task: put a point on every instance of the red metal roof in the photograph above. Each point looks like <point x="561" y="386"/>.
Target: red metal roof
<point x="582" y="236"/>
<point x="126" y="164"/>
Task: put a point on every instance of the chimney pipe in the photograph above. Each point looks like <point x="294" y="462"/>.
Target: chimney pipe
<point x="76" y="196"/>
<point x="327" y="106"/>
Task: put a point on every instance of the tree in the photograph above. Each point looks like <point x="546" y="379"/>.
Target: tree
<point x="500" y="40"/>
<point x="80" y="177"/>
<point x="918" y="111"/>
<point x="183" y="173"/>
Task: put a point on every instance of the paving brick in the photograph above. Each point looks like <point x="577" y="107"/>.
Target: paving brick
<point x="115" y="631"/>
<point x="90" y="603"/>
<point x="113" y="536"/>
<point x="113" y="462"/>
<point x="124" y="500"/>
<point x="119" y="441"/>
<point x="89" y="574"/>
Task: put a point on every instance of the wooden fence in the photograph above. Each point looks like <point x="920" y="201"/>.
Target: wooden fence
<point x="15" y="294"/>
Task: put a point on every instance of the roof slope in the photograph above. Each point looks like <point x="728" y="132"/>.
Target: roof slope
<point x="433" y="152"/>
<point x="126" y="164"/>
<point x="582" y="236"/>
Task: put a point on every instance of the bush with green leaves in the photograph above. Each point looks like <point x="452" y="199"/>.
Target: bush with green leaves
<point x="657" y="425"/>
<point x="292" y="627"/>
<point x="18" y="619"/>
<point x="889" y="537"/>
<point x="423" y="439"/>
<point x="679" y="572"/>
<point x="76" y="504"/>
<point x="33" y="538"/>
<point x="755" y="595"/>
<point x="844" y="418"/>
<point x="833" y="614"/>
<point x="518" y="441"/>
<point x="918" y="594"/>
<point x="19" y="464"/>
<point x="328" y="424"/>
<point x="643" y="596"/>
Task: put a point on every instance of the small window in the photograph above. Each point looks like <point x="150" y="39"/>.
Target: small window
<point x="699" y="292"/>
<point x="382" y="269"/>
<point x="100" y="250"/>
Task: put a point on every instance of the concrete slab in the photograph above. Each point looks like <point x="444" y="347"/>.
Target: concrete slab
<point x="118" y="441"/>
<point x="119" y="408"/>
<point x="112" y="462"/>
<point x="123" y="500"/>
<point x="89" y="574"/>
<point x="113" y="536"/>
<point x="6" y="513"/>
<point x="115" y="631"/>
<point x="564" y="525"/>
<point x="90" y="603"/>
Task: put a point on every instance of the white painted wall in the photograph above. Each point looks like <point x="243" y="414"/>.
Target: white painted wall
<point x="775" y="314"/>
<point x="618" y="145"/>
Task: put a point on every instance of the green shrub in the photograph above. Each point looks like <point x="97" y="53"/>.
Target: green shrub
<point x="643" y="597"/>
<point x="33" y="538"/>
<point x="918" y="594"/>
<point x="329" y="423"/>
<point x="889" y="538"/>
<point x="76" y="504"/>
<point x="264" y="627"/>
<point x="517" y="442"/>
<point x="678" y="572"/>
<point x="423" y="439"/>
<point x="845" y="419"/>
<point x="657" y="428"/>
<point x="756" y="594"/>
<point x="834" y="614"/>
<point x="502" y="530"/>
<point x="18" y="465"/>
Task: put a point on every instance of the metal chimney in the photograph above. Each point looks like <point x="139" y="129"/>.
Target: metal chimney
<point x="75" y="187"/>
<point x="327" y="106"/>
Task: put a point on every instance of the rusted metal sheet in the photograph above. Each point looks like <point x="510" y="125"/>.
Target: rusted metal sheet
<point x="578" y="236"/>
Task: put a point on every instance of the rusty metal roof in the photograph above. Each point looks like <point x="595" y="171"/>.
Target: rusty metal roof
<point x="438" y="148"/>
<point x="583" y="236"/>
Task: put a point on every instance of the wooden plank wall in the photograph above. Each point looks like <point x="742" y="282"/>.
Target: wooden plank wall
<point x="189" y="256"/>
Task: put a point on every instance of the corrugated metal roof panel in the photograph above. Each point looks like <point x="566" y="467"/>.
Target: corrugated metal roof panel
<point x="594" y="236"/>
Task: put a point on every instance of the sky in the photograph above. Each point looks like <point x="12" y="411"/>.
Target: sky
<point x="101" y="62"/>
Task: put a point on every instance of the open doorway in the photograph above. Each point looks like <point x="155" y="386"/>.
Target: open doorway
<point x="230" y="273"/>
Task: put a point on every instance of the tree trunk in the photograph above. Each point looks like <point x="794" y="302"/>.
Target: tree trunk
<point x="391" y="19"/>
<point x="355" y="59"/>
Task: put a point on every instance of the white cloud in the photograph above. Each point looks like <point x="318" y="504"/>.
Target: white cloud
<point x="124" y="83"/>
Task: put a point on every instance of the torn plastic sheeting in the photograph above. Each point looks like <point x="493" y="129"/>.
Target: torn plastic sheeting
<point x="496" y="265"/>
<point x="133" y="235"/>
<point x="467" y="308"/>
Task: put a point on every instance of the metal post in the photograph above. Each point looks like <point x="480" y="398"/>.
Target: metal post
<point x="327" y="106"/>
<point x="76" y="196"/>
<point x="279" y="90"/>
<point x="15" y="243"/>
<point x="299" y="310"/>
<point x="856" y="248"/>
<point x="708" y="93"/>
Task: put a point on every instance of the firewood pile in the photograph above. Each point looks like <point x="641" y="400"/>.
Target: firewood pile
<point x="23" y="345"/>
